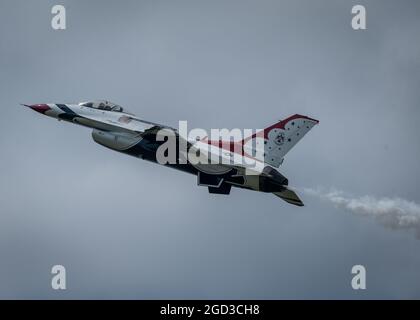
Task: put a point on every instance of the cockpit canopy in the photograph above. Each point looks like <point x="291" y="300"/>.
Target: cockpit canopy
<point x="102" y="105"/>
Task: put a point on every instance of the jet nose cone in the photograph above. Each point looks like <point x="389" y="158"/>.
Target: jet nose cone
<point x="41" y="108"/>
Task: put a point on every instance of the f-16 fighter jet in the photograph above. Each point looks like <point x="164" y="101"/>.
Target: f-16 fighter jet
<point x="248" y="163"/>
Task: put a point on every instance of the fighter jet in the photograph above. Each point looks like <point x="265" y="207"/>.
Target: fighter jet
<point x="119" y="130"/>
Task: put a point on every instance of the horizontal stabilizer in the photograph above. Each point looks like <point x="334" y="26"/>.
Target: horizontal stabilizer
<point x="209" y="180"/>
<point x="223" y="189"/>
<point x="289" y="196"/>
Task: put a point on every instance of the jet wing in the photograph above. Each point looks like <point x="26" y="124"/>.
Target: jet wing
<point x="289" y="196"/>
<point x="116" y="122"/>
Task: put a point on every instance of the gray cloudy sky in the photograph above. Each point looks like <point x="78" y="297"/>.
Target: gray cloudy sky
<point x="124" y="228"/>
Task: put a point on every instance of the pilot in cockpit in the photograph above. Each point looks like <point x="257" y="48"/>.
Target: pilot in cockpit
<point x="103" y="105"/>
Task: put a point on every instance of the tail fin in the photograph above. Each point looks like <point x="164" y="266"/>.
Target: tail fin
<point x="289" y="196"/>
<point x="280" y="138"/>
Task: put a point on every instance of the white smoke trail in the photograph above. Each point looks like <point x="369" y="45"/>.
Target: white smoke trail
<point x="394" y="213"/>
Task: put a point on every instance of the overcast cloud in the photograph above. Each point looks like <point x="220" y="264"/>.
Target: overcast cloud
<point x="125" y="228"/>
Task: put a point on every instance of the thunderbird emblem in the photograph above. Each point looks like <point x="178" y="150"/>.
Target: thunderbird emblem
<point x="279" y="139"/>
